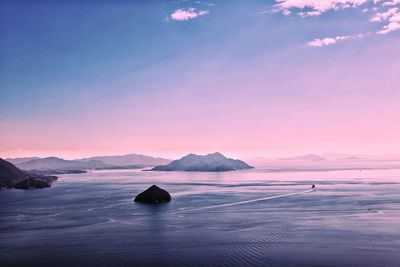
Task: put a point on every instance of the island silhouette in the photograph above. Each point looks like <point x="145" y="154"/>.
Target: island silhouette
<point x="214" y="162"/>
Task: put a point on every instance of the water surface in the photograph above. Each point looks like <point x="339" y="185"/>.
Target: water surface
<point x="352" y="219"/>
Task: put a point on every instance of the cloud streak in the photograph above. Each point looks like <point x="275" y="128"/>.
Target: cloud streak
<point x="334" y="40"/>
<point x="187" y="14"/>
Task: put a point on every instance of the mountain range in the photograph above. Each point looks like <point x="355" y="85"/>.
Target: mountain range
<point x="128" y="160"/>
<point x="56" y="164"/>
<point x="211" y="162"/>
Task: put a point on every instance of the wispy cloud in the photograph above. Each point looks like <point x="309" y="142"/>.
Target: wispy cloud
<point x="187" y="14"/>
<point x="392" y="26"/>
<point x="317" y="6"/>
<point x="384" y="16"/>
<point x="334" y="40"/>
<point x="391" y="17"/>
<point x="323" y="42"/>
<point x="309" y="13"/>
<point x="386" y="12"/>
<point x="204" y="3"/>
<point x="391" y="3"/>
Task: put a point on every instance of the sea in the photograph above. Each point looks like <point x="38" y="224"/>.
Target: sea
<point x="257" y="217"/>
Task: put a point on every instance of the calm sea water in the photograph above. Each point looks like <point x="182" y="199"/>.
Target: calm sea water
<point x="352" y="219"/>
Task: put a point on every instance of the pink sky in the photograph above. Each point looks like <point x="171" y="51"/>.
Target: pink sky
<point x="260" y="81"/>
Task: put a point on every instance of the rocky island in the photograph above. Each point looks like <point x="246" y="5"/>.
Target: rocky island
<point x="215" y="162"/>
<point x="153" y="195"/>
<point x="12" y="177"/>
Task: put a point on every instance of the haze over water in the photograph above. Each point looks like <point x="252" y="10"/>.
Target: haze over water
<point x="90" y="219"/>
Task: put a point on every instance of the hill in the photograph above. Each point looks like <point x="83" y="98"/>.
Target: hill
<point x="54" y="163"/>
<point x="12" y="177"/>
<point x="128" y="160"/>
<point x="215" y="162"/>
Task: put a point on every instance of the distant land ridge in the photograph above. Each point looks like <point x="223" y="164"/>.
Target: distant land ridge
<point x="55" y="165"/>
<point x="309" y="157"/>
<point x="128" y="160"/>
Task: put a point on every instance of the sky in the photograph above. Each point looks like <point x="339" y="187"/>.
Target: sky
<point x="165" y="78"/>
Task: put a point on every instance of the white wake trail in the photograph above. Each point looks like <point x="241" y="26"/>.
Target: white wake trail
<point x="247" y="201"/>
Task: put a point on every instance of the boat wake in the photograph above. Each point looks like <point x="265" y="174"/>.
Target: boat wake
<point x="245" y="201"/>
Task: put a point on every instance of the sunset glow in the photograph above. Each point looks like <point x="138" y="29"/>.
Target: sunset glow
<point x="257" y="78"/>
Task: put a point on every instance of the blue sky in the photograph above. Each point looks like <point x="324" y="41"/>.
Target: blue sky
<point x="164" y="77"/>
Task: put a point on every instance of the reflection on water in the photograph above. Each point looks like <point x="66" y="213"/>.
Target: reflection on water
<point x="90" y="219"/>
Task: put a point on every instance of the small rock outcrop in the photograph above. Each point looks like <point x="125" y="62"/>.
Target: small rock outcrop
<point x="30" y="183"/>
<point x="153" y="195"/>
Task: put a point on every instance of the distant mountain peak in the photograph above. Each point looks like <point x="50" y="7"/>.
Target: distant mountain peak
<point x="217" y="155"/>
<point x="190" y="155"/>
<point x="309" y="157"/>
<point x="51" y="158"/>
